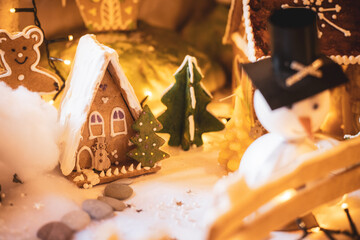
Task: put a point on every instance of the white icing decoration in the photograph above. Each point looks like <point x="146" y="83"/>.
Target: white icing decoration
<point x="21" y="77"/>
<point x="89" y="65"/>
<point x="192" y="97"/>
<point x="320" y="12"/>
<point x="147" y="168"/>
<point x="26" y="33"/>
<point x="140" y="123"/>
<point x="131" y="168"/>
<point x="143" y="154"/>
<point x="102" y="174"/>
<point x="346" y="32"/>
<point x="96" y="115"/>
<point x="159" y="164"/>
<point x="116" y="171"/>
<point x="140" y="140"/>
<point x="154" y="144"/>
<point x="91" y="176"/>
<point x="20" y="55"/>
<point x="118" y="121"/>
<point x="191" y="127"/>
<point x="116" y="156"/>
<point x="123" y="170"/>
<point x="191" y="61"/>
<point x="345" y="60"/>
<point x="108" y="173"/>
<point x="154" y="129"/>
<point x="138" y="167"/>
<point x="110" y="15"/>
<point x="117" y="163"/>
<point x="79" y="178"/>
<point x="104" y="99"/>
<point x="77" y="156"/>
<point x="86" y="186"/>
<point x="249" y="31"/>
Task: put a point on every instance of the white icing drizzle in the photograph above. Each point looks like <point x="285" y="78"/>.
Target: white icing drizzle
<point x="192" y="97"/>
<point x="116" y="171"/>
<point x="320" y="12"/>
<point x="191" y="127"/>
<point x="123" y="170"/>
<point x="191" y="61"/>
<point x="347" y="33"/>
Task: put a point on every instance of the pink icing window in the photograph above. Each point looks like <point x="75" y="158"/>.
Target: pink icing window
<point x="96" y="125"/>
<point x="118" y="122"/>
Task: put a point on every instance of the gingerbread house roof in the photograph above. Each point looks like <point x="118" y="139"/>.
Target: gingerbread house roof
<point x="91" y="61"/>
<point x="338" y="22"/>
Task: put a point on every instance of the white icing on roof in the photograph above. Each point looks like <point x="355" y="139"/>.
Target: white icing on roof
<point x="249" y="32"/>
<point x="89" y="66"/>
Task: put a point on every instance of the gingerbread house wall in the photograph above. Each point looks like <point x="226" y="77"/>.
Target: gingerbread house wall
<point x="108" y="97"/>
<point x="252" y="44"/>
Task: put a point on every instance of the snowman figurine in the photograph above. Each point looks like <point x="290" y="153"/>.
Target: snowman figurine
<point x="291" y="101"/>
<point x="292" y="97"/>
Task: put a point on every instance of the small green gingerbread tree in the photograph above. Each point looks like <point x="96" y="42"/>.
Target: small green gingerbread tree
<point x="147" y="142"/>
<point x="186" y="117"/>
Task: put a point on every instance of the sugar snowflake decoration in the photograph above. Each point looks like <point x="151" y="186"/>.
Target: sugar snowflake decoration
<point x="316" y="6"/>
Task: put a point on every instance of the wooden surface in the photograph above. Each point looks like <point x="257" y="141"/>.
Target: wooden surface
<point x="312" y="167"/>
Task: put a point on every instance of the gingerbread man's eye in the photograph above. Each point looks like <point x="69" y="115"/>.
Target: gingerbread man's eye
<point x="24" y="48"/>
<point x="13" y="49"/>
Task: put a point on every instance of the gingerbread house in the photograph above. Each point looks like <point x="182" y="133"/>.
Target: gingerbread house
<point x="339" y="39"/>
<point x="97" y="111"/>
<point x="109" y="15"/>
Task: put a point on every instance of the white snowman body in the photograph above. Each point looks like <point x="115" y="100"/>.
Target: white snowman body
<point x="291" y="135"/>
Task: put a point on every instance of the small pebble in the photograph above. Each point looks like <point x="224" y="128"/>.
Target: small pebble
<point x="117" y="205"/>
<point x="97" y="209"/>
<point x="118" y="191"/>
<point x="55" y="231"/>
<point x="76" y="220"/>
<point x="125" y="181"/>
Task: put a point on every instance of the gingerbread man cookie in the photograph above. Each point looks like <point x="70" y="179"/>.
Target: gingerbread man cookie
<point x="20" y="56"/>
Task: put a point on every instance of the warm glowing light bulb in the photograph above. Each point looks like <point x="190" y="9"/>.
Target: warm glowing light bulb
<point x="315" y="230"/>
<point x="344" y="206"/>
<point x="148" y="93"/>
<point x="286" y="195"/>
<point x="12" y="10"/>
<point x="71" y="37"/>
<point x="67" y="62"/>
<point x="51" y="102"/>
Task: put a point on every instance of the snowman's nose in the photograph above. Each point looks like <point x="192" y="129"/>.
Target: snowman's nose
<point x="306" y="124"/>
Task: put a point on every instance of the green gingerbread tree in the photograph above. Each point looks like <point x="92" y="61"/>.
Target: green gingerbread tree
<point x="186" y="117"/>
<point x="147" y="142"/>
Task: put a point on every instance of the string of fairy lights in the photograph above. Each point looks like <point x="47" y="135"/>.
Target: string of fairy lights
<point x="329" y="233"/>
<point x="51" y="60"/>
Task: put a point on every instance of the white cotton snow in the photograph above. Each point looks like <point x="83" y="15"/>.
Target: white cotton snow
<point x="28" y="135"/>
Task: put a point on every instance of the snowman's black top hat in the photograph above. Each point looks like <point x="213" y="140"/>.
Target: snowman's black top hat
<point x="296" y="69"/>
